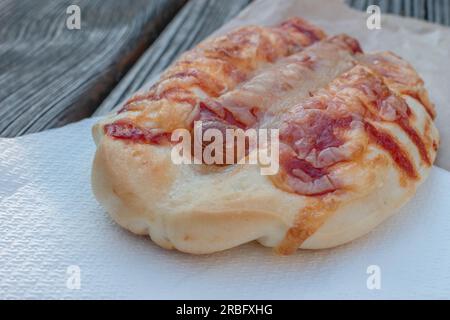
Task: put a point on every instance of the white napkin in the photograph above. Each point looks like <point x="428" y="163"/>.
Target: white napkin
<point x="49" y="222"/>
<point x="51" y="227"/>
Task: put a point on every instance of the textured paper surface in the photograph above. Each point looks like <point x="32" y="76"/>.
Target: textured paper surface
<point x="49" y="219"/>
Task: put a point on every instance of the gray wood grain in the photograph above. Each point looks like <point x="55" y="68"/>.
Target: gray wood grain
<point x="50" y="75"/>
<point x="437" y="11"/>
<point x="193" y="23"/>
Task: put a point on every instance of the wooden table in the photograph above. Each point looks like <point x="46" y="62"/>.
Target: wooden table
<point x="51" y="76"/>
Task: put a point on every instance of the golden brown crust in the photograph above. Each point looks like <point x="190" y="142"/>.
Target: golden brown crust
<point x="366" y="92"/>
<point x="215" y="67"/>
<point x="357" y="139"/>
<point x="400" y="76"/>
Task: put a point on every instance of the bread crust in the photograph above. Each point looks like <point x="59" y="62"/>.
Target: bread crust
<point x="199" y="209"/>
<point x="147" y="194"/>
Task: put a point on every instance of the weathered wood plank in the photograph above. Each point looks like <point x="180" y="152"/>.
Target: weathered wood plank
<point x="446" y="12"/>
<point x="50" y="75"/>
<point x="358" y="4"/>
<point x="193" y="23"/>
<point x="432" y="10"/>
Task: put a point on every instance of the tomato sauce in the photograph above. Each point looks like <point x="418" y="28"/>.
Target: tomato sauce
<point x="306" y="167"/>
<point x="387" y="142"/>
<point x="126" y="130"/>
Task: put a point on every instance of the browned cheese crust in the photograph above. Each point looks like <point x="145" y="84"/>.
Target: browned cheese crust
<point x="357" y="138"/>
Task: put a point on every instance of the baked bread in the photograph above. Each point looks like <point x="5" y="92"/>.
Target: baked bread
<point x="356" y="139"/>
